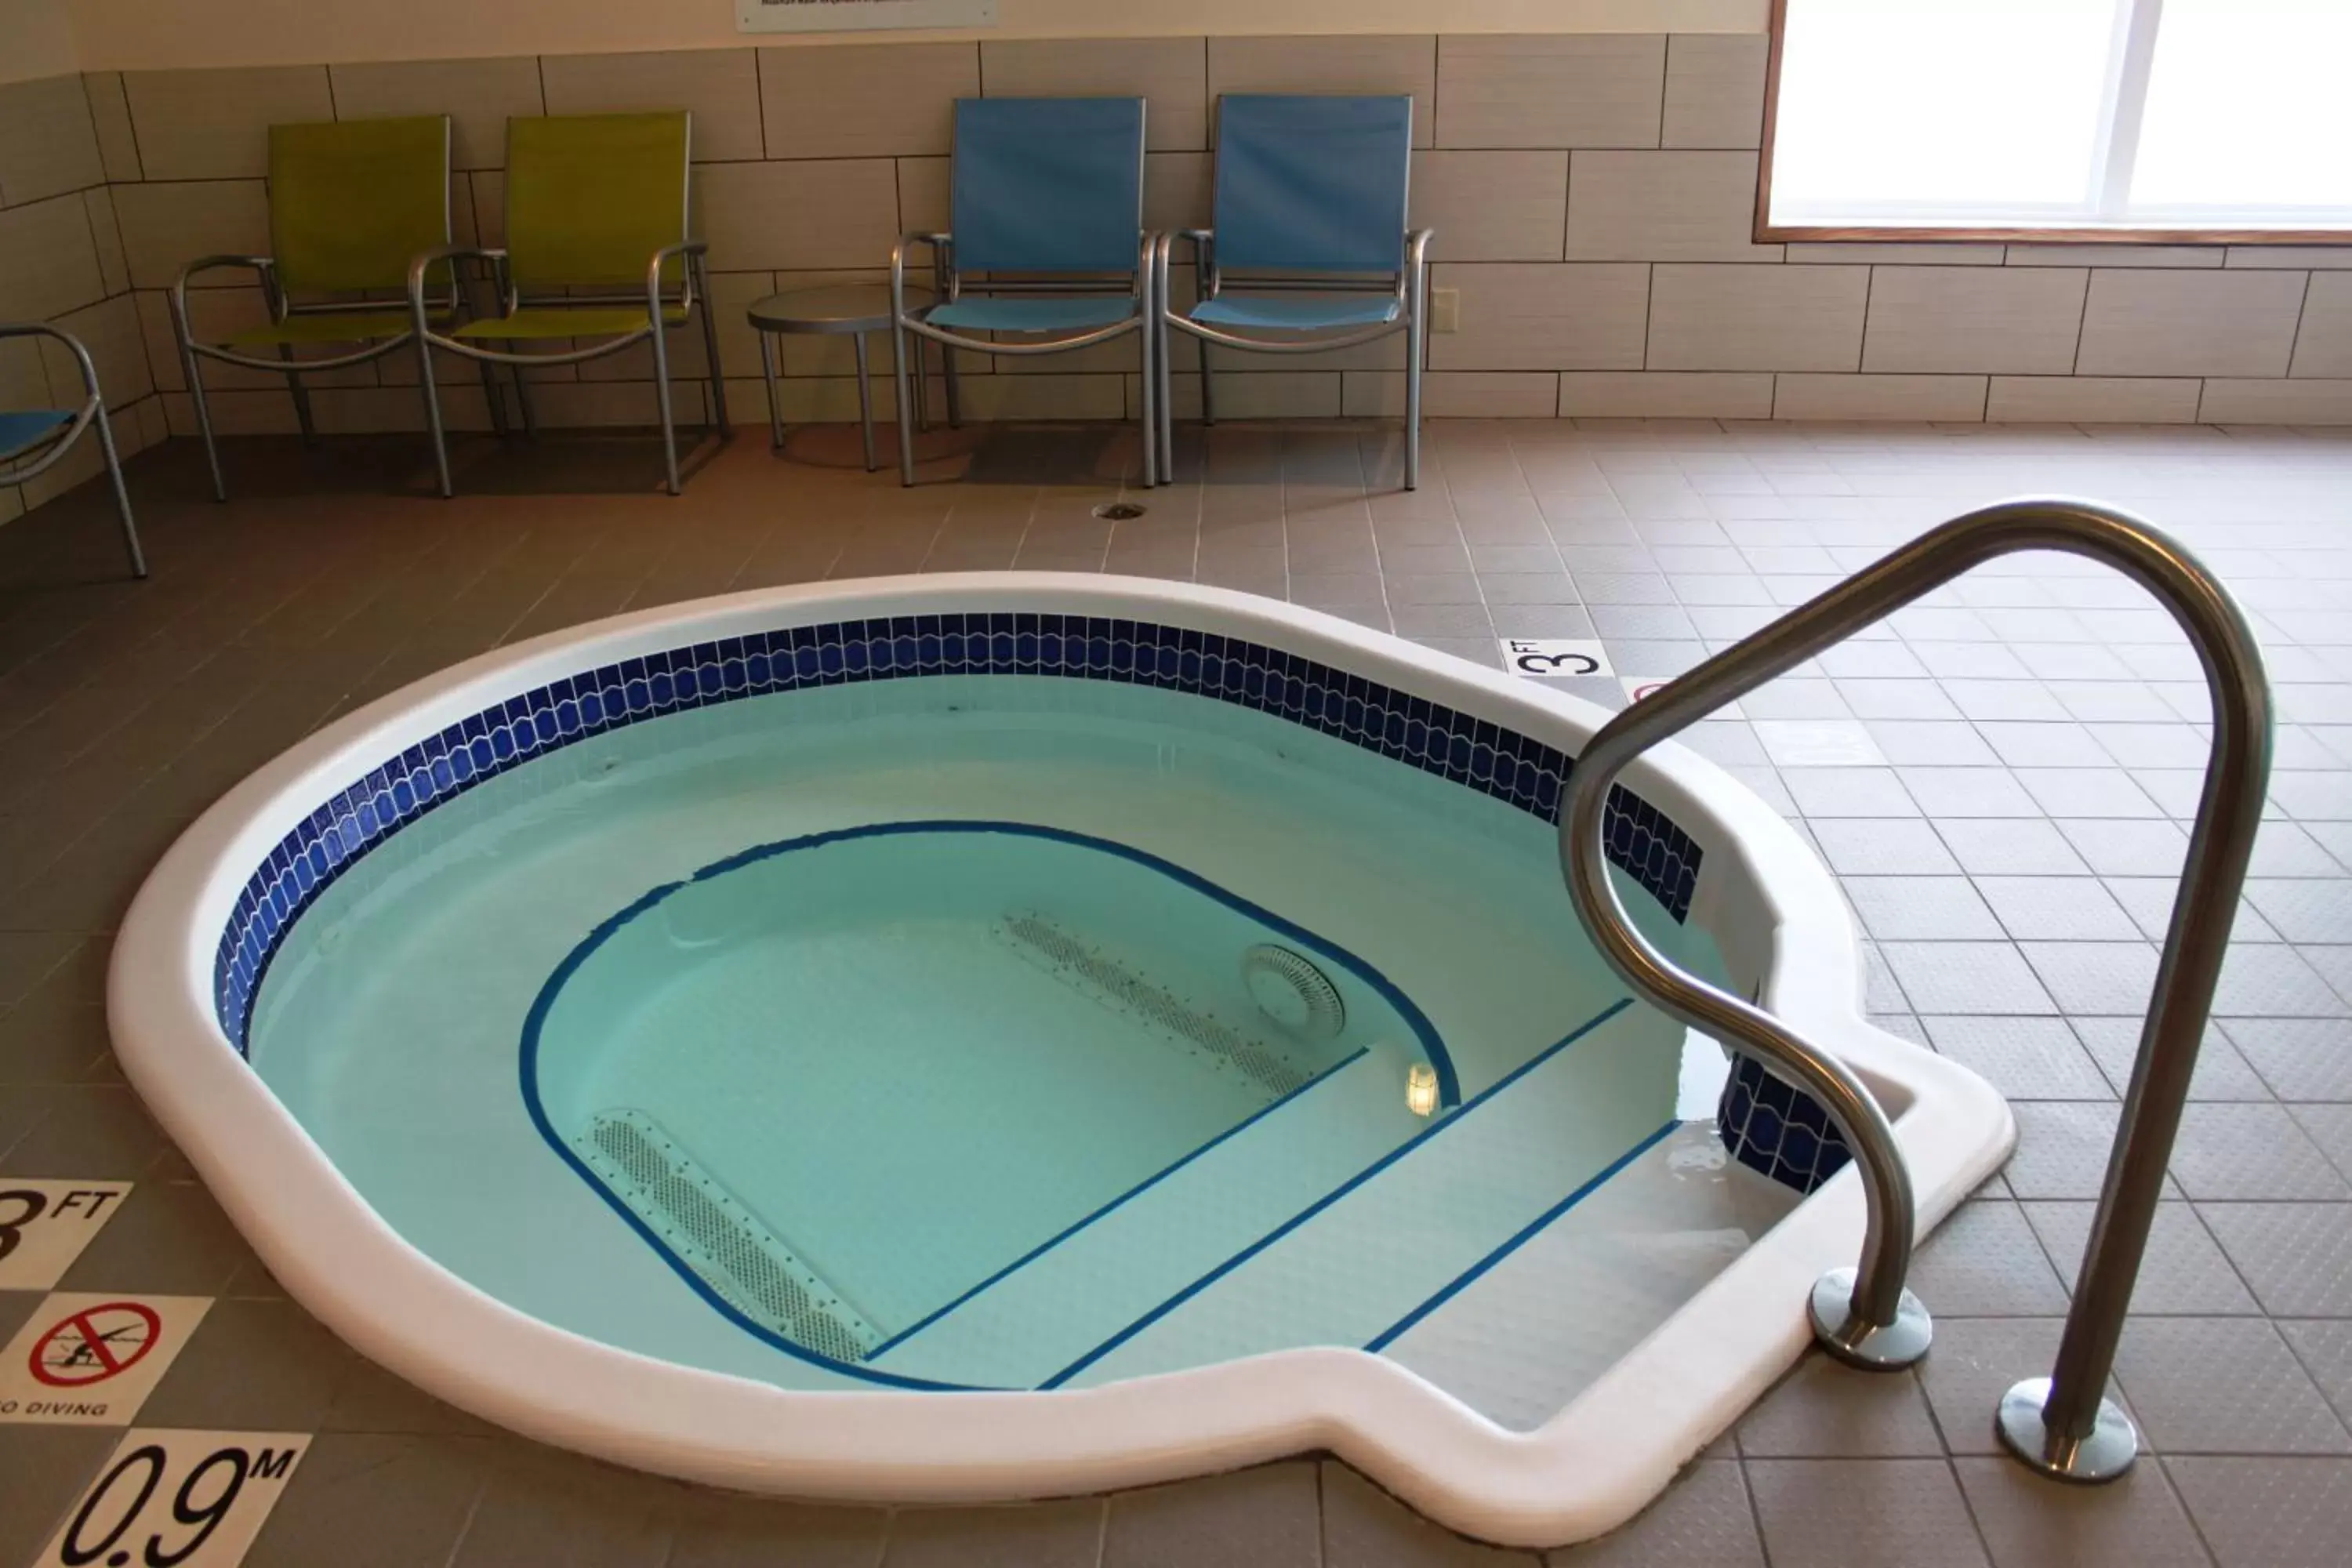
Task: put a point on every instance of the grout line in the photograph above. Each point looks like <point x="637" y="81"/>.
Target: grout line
<point x="2294" y="343"/>
<point x="2083" y="322"/>
<point x="2195" y="1526"/>
<point x="89" y="109"/>
<point x="1436" y="76"/>
<point x="1567" y="199"/>
<point x="138" y="153"/>
<point x="1649" y="309"/>
<point x="1665" y="67"/>
<point x="1208" y="107"/>
<point x="1967" y="1503"/>
<point x="473" y="1508"/>
<point x="1861" y="344"/>
<point x="1747" y="1492"/>
<point x="1322" y="1512"/>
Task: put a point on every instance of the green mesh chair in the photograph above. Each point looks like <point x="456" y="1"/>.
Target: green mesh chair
<point x="32" y="440"/>
<point x="595" y="204"/>
<point x="351" y="202"/>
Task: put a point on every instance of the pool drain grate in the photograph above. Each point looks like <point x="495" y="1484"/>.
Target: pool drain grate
<point x="715" y="1234"/>
<point x="1088" y="970"/>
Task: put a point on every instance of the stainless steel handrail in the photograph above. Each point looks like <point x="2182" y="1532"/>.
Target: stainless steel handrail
<point x="2060" y="1425"/>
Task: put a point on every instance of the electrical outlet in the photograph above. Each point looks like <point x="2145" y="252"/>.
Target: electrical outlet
<point x="1445" y="309"/>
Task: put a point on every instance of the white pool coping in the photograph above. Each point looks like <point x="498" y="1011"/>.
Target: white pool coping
<point x="1773" y="907"/>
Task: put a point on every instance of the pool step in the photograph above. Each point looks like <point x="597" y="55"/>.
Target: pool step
<point x="717" y="1236"/>
<point x="1030" y="1322"/>
<point x="1363" y="1262"/>
<point x="1325" y="1222"/>
<point x="1509" y="1345"/>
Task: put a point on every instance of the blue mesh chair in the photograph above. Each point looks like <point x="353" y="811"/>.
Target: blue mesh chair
<point x="1310" y="249"/>
<point x="1047" y="248"/>
<point x="32" y="440"/>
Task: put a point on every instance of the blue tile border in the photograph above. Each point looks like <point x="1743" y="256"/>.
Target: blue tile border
<point x="1776" y="1128"/>
<point x="1477" y="754"/>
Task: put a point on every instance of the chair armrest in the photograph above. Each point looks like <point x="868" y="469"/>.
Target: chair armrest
<point x="940" y="244"/>
<point x="1416" y="245"/>
<point x="691" y="248"/>
<point x="424" y="262"/>
<point x="1147" y="267"/>
<point x="262" y="265"/>
<point x="1203" y="242"/>
<point x="73" y="345"/>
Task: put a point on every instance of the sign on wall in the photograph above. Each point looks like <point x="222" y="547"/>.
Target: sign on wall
<point x="855" y="16"/>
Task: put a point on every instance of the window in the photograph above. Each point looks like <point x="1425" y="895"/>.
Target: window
<point x="1998" y="118"/>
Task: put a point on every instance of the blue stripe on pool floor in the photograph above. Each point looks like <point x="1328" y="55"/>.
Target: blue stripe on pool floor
<point x="1533" y="1228"/>
<point x="903" y="1335"/>
<point x="1333" y="1196"/>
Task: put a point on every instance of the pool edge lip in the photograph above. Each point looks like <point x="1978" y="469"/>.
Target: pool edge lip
<point x="1589" y="1469"/>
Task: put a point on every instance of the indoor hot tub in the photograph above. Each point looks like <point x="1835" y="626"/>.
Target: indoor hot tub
<point x="1007" y="1035"/>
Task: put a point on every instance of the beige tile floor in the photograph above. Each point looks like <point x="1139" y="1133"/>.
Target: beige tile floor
<point x="2024" y="754"/>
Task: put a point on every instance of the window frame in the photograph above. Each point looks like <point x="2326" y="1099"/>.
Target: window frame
<point x="2117" y="147"/>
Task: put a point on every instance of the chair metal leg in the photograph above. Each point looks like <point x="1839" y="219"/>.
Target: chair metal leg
<point x="899" y="353"/>
<point x="523" y="402"/>
<point x="1150" y="362"/>
<point x="189" y="360"/>
<point x="864" y="400"/>
<point x="922" y="387"/>
<point x="1208" y="388"/>
<point x="1416" y="339"/>
<point x="122" y="493"/>
<point x="432" y="416"/>
<point x="669" y="420"/>
<point x="302" y="397"/>
<point x="496" y="399"/>
<point x="768" y="376"/>
<point x="1162" y="347"/>
<point x="947" y="355"/>
<point x="718" y="420"/>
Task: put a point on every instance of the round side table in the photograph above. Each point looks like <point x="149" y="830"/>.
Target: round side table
<point x="856" y="309"/>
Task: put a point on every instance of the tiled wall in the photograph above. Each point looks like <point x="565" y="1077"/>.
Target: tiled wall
<point x="1592" y="194"/>
<point x="61" y="260"/>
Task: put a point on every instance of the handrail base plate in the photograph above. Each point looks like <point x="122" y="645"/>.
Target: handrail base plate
<point x="2107" y="1453"/>
<point x="1870" y="1347"/>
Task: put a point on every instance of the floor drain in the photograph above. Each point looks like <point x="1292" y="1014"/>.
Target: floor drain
<point x="1118" y="511"/>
